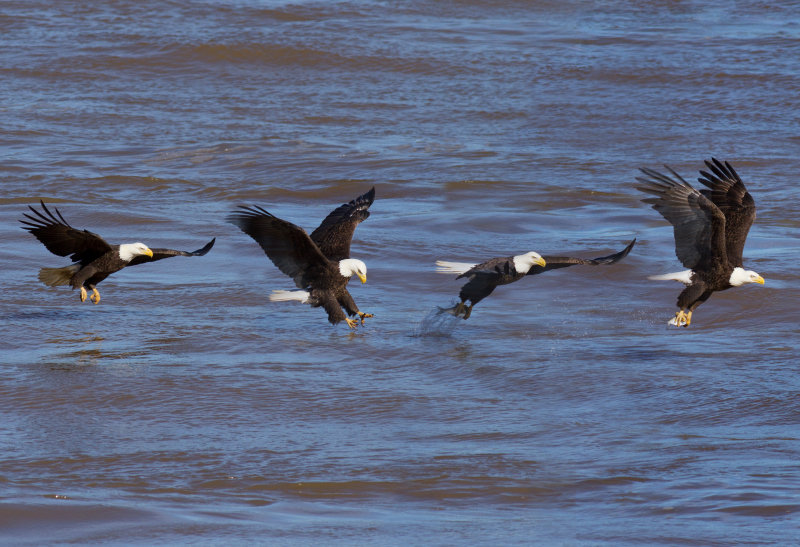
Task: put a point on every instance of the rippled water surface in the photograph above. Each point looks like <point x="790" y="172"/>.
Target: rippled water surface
<point x="186" y="408"/>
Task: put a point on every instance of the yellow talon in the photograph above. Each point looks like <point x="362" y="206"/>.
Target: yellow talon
<point x="351" y="322"/>
<point x="682" y="319"/>
<point x="83" y="294"/>
<point x="363" y="316"/>
<point x="95" y="298"/>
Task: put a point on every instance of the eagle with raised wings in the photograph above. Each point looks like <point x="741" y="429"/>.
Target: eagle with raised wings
<point x="710" y="228"/>
<point x="319" y="264"/>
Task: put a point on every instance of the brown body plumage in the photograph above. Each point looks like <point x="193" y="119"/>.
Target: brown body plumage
<point x="319" y="264"/>
<point x="710" y="228"/>
<point x="94" y="259"/>
<point x="484" y="278"/>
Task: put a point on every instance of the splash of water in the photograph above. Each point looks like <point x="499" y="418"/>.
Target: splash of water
<point x="438" y="322"/>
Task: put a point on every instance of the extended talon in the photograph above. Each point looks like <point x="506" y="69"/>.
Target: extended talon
<point x="83" y="294"/>
<point x="363" y="316"/>
<point x="95" y="298"/>
<point x="681" y="319"/>
<point x="352" y="323"/>
<point x="469" y="311"/>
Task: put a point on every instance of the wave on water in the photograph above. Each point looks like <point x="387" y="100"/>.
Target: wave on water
<point x="439" y="322"/>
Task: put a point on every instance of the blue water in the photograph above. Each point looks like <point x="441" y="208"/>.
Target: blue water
<point x="186" y="408"/>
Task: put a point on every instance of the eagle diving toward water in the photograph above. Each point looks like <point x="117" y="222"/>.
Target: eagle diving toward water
<point x="320" y="264"/>
<point x="485" y="277"/>
<point x="93" y="258"/>
<point x="710" y="228"/>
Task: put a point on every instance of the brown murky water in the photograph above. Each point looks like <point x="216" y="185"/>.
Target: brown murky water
<point x="187" y="408"/>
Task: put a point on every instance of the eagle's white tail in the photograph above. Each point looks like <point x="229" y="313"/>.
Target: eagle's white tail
<point x="684" y="277"/>
<point x="54" y="277"/>
<point x="288" y="296"/>
<point x="442" y="266"/>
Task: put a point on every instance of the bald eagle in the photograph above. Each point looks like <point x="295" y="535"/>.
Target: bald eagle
<point x="710" y="228"/>
<point x="320" y="264"/>
<point x="93" y="258"/>
<point x="485" y="277"/>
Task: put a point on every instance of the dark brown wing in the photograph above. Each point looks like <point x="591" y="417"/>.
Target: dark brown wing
<point x="334" y="235"/>
<point x="727" y="191"/>
<point x="495" y="267"/>
<point x="556" y="262"/>
<point x="287" y="245"/>
<point x="158" y="254"/>
<point x="62" y="239"/>
<point x="698" y="224"/>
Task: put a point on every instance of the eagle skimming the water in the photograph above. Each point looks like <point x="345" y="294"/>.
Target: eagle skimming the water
<point x="710" y="228"/>
<point x="485" y="277"/>
<point x="94" y="259"/>
<point x="320" y="264"/>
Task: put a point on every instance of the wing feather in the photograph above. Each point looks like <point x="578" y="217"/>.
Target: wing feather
<point x="727" y="191"/>
<point x="62" y="239"/>
<point x="698" y="224"/>
<point x="334" y="234"/>
<point x="556" y="262"/>
<point x="493" y="267"/>
<point x="159" y="254"/>
<point x="288" y="246"/>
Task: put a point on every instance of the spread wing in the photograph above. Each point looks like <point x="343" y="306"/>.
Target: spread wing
<point x="556" y="262"/>
<point x="495" y="267"/>
<point x="158" y="254"/>
<point x="287" y="245"/>
<point x="698" y="224"/>
<point x="62" y="239"/>
<point x="333" y="236"/>
<point x="727" y="191"/>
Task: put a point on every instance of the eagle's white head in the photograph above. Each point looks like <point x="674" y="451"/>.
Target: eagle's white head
<point x="129" y="251"/>
<point x="740" y="276"/>
<point x="523" y="263"/>
<point x="352" y="266"/>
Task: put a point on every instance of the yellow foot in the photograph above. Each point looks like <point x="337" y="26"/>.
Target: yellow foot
<point x="459" y="309"/>
<point x="83" y="294"/>
<point x="469" y="311"/>
<point x="95" y="298"/>
<point x="363" y="316"/>
<point x="352" y="323"/>
<point x="681" y="319"/>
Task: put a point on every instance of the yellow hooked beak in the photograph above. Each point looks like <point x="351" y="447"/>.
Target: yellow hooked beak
<point x="759" y="280"/>
<point x="541" y="262"/>
<point x="148" y="252"/>
<point x="362" y="277"/>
